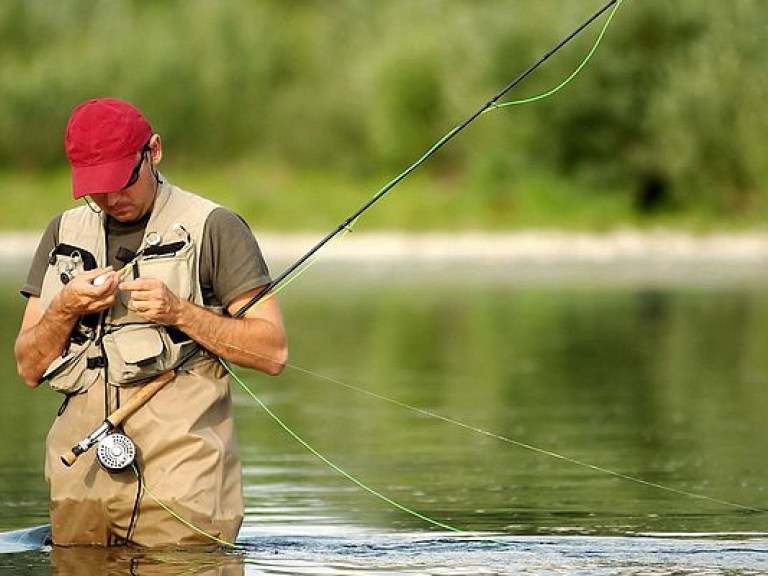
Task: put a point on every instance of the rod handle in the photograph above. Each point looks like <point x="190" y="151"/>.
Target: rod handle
<point x="116" y="418"/>
<point x="69" y="458"/>
<point x="140" y="398"/>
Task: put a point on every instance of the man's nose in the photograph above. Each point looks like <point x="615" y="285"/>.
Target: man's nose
<point x="112" y="198"/>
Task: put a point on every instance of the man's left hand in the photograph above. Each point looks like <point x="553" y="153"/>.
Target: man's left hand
<point x="153" y="300"/>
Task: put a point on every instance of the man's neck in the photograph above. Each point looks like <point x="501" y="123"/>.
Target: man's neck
<point x="117" y="226"/>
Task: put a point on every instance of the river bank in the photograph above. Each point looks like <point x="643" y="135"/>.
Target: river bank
<point x="522" y="254"/>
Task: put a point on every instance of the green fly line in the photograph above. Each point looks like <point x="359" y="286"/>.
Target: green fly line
<point x="306" y="265"/>
<point x="578" y="69"/>
<point x="431" y="414"/>
<point x="331" y="464"/>
<point x="172" y="512"/>
<point x="345" y="229"/>
<point x="520" y="444"/>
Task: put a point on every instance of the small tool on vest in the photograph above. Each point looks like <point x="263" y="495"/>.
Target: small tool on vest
<point x="67" y="269"/>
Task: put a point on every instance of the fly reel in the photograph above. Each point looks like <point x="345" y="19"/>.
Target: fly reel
<point x="116" y="452"/>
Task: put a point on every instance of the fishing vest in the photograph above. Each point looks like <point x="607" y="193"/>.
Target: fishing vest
<point x="118" y="344"/>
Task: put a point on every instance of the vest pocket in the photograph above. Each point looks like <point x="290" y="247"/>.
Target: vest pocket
<point x="175" y="269"/>
<point x="134" y="352"/>
<point x="69" y="374"/>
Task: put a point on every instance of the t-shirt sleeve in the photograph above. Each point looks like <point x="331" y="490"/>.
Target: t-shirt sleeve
<point x="49" y="240"/>
<point x="231" y="262"/>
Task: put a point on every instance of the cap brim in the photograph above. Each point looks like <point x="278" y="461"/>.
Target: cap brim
<point x="102" y="178"/>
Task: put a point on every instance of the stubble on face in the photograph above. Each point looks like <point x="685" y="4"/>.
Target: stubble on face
<point x="129" y="204"/>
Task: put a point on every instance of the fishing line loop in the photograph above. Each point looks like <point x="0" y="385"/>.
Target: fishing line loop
<point x="584" y="62"/>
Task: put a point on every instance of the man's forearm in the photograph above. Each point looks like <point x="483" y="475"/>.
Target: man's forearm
<point x="251" y="342"/>
<point x="40" y="344"/>
<point x="44" y="334"/>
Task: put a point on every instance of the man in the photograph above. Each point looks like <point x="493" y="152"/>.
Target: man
<point x="144" y="279"/>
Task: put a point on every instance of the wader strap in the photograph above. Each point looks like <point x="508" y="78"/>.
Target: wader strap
<point x="95" y="362"/>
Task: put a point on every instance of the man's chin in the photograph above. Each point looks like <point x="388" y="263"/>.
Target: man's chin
<point x="124" y="217"/>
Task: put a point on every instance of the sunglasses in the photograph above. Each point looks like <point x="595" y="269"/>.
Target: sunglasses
<point x="137" y="169"/>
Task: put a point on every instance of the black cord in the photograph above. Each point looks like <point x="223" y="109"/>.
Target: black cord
<point x="136" y="503"/>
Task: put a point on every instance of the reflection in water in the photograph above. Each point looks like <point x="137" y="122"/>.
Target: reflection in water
<point x="121" y="561"/>
<point x="646" y="382"/>
<point x="416" y="553"/>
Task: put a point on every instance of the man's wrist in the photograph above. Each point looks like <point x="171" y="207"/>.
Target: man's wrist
<point x="186" y="315"/>
<point x="59" y="313"/>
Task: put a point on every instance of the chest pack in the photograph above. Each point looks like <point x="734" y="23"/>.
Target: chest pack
<point x="118" y="344"/>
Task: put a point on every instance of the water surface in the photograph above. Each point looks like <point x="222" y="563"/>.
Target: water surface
<point x="665" y="382"/>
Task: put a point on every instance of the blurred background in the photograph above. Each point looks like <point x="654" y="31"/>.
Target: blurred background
<point x="293" y="113"/>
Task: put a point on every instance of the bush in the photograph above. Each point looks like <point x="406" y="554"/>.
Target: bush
<point x="669" y="112"/>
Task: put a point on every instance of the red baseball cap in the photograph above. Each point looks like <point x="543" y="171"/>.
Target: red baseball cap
<point x="101" y="141"/>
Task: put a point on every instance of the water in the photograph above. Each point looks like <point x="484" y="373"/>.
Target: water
<point x="664" y="381"/>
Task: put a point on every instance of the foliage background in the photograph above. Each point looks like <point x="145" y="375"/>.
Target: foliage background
<point x="295" y="112"/>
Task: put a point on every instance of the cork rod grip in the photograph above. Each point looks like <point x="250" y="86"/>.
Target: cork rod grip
<point x="69" y="458"/>
<point x="140" y="398"/>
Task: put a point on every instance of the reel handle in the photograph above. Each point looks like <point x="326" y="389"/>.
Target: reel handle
<point x="117" y="417"/>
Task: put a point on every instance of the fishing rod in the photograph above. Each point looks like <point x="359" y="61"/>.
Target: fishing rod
<point x="102" y="435"/>
<point x="492" y="103"/>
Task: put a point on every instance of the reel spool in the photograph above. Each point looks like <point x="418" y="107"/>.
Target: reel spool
<point x="116" y="452"/>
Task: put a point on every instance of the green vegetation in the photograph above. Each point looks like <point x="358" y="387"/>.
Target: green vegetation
<point x="294" y="113"/>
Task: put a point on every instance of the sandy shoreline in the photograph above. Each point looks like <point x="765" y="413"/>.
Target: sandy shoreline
<point x="647" y="253"/>
<point x="547" y="245"/>
<point x="536" y="245"/>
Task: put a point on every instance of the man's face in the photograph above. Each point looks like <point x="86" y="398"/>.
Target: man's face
<point x="132" y="202"/>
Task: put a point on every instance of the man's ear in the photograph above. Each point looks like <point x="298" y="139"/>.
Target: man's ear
<point x="155" y="149"/>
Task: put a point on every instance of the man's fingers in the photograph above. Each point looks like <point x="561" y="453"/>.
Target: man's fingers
<point x="91" y="275"/>
<point x="140" y="284"/>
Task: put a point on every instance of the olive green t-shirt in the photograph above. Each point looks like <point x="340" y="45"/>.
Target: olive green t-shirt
<point x="231" y="262"/>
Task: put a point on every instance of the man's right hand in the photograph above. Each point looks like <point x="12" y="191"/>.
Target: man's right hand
<point x="81" y="296"/>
